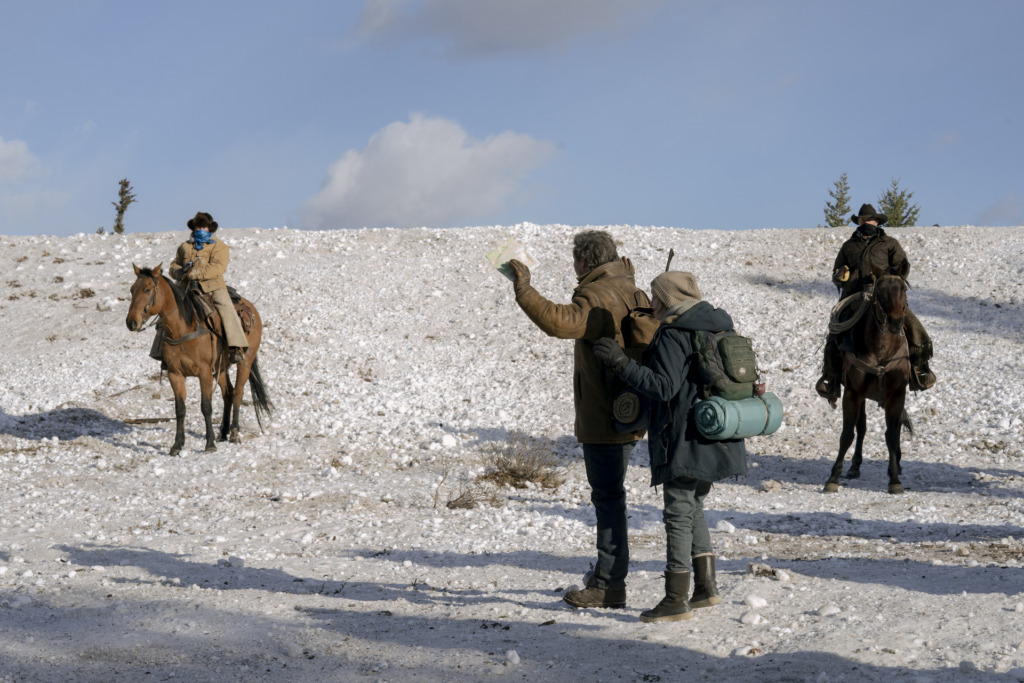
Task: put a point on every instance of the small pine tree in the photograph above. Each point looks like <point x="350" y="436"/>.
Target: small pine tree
<point x="836" y="211"/>
<point x="125" y="198"/>
<point x="895" y="204"/>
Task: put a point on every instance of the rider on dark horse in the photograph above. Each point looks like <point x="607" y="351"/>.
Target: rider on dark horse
<point x="870" y="246"/>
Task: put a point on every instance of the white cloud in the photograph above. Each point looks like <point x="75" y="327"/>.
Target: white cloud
<point x="15" y="160"/>
<point x="487" y="27"/>
<point x="1007" y="211"/>
<point x="427" y="172"/>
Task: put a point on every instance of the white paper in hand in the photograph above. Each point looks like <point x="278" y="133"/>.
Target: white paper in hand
<point x="505" y="252"/>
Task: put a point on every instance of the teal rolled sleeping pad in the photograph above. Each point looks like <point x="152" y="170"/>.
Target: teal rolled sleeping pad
<point x="719" y="419"/>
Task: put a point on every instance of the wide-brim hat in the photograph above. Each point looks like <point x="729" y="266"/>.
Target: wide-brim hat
<point x="868" y="213"/>
<point x="202" y="220"/>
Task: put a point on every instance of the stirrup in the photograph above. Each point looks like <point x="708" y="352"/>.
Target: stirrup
<point x="828" y="388"/>
<point x="236" y="355"/>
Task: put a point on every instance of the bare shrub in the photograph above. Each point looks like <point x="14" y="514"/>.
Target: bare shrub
<point x="521" y="459"/>
<point x="85" y="293"/>
<point x="469" y="498"/>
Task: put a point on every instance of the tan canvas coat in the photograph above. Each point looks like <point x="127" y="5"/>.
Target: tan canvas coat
<point x="210" y="264"/>
<point x="596" y="311"/>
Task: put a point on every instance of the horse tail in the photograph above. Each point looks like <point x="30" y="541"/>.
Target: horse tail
<point x="260" y="399"/>
<point x="906" y="423"/>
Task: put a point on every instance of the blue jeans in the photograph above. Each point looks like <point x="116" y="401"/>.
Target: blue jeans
<point x="685" y="527"/>
<point x="606" y="472"/>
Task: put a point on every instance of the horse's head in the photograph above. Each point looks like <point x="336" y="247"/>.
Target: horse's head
<point x="890" y="298"/>
<point x="147" y="300"/>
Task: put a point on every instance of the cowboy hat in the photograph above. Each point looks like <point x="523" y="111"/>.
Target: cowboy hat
<point x="868" y="213"/>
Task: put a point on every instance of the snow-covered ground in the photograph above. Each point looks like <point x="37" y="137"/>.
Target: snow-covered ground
<point x="322" y="549"/>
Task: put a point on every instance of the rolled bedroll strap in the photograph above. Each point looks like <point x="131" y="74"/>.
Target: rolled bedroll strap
<point x="720" y="419"/>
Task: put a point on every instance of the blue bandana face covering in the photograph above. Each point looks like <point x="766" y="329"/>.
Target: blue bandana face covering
<point x="200" y="237"/>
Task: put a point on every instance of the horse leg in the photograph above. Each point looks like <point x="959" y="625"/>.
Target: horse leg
<point x="893" y="427"/>
<point x="206" y="405"/>
<point x="177" y="382"/>
<point x="858" y="447"/>
<point x="225" y="392"/>
<point x="852" y="403"/>
<point x="244" y="368"/>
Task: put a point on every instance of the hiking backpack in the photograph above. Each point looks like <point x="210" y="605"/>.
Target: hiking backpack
<point x="727" y="364"/>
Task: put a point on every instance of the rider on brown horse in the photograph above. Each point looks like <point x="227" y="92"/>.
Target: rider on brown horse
<point x="870" y="246"/>
<point x="203" y="261"/>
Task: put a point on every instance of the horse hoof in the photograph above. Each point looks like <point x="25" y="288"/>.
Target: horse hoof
<point x="211" y="447"/>
<point x="853" y="474"/>
<point x="235" y="437"/>
<point x="831" y="487"/>
<point x="175" y="452"/>
<point x="895" y="488"/>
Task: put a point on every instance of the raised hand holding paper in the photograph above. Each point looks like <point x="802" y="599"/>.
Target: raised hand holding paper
<point x="505" y="252"/>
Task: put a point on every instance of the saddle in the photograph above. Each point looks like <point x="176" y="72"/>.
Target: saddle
<point x="210" y="317"/>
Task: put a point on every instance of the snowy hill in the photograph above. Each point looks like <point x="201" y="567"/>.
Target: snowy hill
<point x="322" y="549"/>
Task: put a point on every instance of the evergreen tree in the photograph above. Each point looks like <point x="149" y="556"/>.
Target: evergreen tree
<point x="125" y="198"/>
<point x="895" y="204"/>
<point x="836" y="211"/>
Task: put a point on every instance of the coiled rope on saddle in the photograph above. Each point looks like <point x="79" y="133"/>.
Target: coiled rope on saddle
<point x="838" y="326"/>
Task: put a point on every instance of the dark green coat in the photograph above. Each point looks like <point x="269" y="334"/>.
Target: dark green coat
<point x="670" y="380"/>
<point x="859" y="254"/>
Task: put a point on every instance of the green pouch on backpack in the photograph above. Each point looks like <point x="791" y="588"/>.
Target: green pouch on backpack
<point x="728" y="366"/>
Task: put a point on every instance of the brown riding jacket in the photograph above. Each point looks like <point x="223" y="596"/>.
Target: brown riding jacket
<point x="859" y="255"/>
<point x="596" y="311"/>
<point x="210" y="264"/>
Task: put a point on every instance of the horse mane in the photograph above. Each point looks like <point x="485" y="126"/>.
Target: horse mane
<point x="185" y="306"/>
<point x="184" y="301"/>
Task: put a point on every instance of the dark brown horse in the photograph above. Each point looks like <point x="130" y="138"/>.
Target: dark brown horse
<point x="190" y="349"/>
<point x="877" y="368"/>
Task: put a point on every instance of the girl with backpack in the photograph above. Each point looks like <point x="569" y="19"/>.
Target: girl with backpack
<point x="683" y="461"/>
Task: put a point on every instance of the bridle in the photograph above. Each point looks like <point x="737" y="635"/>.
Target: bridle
<point x="146" y="317"/>
<point x="881" y="316"/>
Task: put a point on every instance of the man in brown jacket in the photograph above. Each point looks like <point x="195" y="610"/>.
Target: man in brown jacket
<point x="204" y="260"/>
<point x="600" y="302"/>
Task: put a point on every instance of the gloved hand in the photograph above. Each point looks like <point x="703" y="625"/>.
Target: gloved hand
<point x="611" y="354"/>
<point x="521" y="274"/>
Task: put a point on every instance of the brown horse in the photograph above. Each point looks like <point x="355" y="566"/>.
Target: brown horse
<point x="878" y="368"/>
<point x="192" y="350"/>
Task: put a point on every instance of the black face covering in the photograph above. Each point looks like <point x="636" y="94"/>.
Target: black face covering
<point x="867" y="230"/>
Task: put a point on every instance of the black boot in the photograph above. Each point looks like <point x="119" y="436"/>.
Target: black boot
<point x="705" y="589"/>
<point x="921" y="376"/>
<point x="828" y="385"/>
<point x="592" y="596"/>
<point x="674" y="606"/>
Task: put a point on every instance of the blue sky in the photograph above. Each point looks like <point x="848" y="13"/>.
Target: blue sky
<point x="730" y="115"/>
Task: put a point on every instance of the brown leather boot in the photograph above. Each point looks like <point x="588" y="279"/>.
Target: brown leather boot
<point x="592" y="596"/>
<point x="674" y="606"/>
<point x="705" y="588"/>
